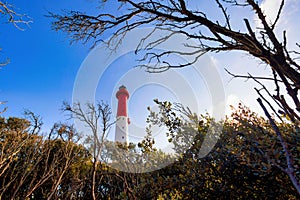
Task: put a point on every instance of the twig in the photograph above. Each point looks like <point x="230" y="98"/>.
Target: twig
<point x="290" y="164"/>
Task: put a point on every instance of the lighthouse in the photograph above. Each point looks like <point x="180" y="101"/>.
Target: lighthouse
<point x="121" y="134"/>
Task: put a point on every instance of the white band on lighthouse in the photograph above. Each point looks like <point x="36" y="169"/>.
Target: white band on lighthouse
<point x="121" y="134"/>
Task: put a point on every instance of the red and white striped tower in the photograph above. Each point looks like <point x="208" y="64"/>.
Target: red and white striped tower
<point x="122" y="123"/>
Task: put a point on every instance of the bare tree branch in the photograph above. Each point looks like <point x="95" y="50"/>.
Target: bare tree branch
<point x="95" y="117"/>
<point x="18" y="20"/>
<point x="290" y="163"/>
<point x="249" y="76"/>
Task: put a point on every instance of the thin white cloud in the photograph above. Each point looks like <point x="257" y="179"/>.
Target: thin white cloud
<point x="232" y="102"/>
<point x="288" y="19"/>
<point x="289" y="12"/>
<point x="270" y="8"/>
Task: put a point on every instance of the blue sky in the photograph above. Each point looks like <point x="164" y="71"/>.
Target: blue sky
<point x="43" y="65"/>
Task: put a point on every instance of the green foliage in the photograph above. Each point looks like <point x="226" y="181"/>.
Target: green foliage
<point x="31" y="167"/>
<point x="246" y="162"/>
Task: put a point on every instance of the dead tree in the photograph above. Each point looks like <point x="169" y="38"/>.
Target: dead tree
<point x="97" y="120"/>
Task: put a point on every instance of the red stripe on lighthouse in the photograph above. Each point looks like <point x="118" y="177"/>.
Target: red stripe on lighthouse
<point x="122" y="96"/>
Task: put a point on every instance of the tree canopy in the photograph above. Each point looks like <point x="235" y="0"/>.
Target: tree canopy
<point x="245" y="163"/>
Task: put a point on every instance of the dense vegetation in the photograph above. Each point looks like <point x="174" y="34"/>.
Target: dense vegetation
<point x="245" y="163"/>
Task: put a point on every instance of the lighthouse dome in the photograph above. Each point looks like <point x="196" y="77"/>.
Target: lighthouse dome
<point x="122" y="91"/>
